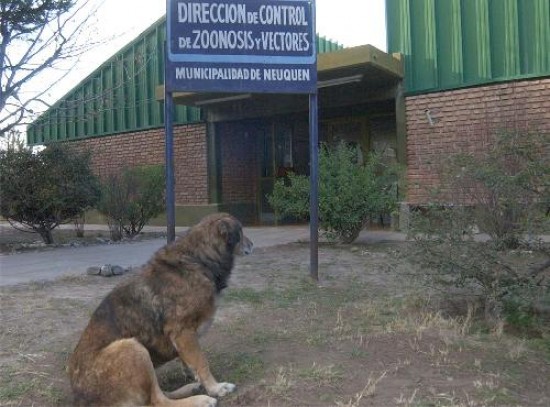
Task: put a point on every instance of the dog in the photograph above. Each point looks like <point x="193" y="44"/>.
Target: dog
<point x="156" y="317"/>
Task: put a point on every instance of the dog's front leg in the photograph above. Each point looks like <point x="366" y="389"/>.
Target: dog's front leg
<point x="189" y="351"/>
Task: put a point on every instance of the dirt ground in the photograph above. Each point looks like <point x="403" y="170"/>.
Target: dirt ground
<point x="369" y="334"/>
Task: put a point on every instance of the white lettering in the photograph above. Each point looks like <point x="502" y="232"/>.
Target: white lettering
<point x="294" y="75"/>
<point x="217" y="13"/>
<point x="285" y="41"/>
<point x="216" y="74"/>
<point x="283" y="15"/>
<point x="223" y="40"/>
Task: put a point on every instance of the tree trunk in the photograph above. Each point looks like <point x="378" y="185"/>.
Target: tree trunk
<point x="115" y="230"/>
<point x="349" y="236"/>
<point x="79" y="222"/>
<point x="46" y="235"/>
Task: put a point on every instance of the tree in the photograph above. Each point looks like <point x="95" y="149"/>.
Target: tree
<point x="36" y="35"/>
<point x="132" y="198"/>
<point x="350" y="192"/>
<point x="40" y="191"/>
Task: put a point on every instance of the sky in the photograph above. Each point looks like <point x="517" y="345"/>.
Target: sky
<point x="117" y="22"/>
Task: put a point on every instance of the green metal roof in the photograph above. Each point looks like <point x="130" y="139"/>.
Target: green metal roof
<point x="119" y="96"/>
<point x="456" y="43"/>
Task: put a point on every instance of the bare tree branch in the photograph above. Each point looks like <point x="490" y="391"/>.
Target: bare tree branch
<point x="37" y="37"/>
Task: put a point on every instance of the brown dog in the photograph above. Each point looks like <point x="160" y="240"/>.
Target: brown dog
<point x="156" y="317"/>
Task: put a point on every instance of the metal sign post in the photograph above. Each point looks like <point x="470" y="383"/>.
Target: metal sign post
<point x="242" y="46"/>
<point x="169" y="162"/>
<point x="313" y="188"/>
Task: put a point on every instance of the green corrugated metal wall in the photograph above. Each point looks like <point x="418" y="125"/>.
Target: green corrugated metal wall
<point x="117" y="97"/>
<point x="120" y="95"/>
<point x="455" y="43"/>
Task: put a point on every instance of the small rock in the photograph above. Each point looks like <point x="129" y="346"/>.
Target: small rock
<point x="34" y="245"/>
<point x="117" y="270"/>
<point x="93" y="271"/>
<point x="106" y="270"/>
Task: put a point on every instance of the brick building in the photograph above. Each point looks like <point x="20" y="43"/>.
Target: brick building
<point x="472" y="69"/>
<point x="229" y="148"/>
<point x="464" y="120"/>
<point x="456" y="72"/>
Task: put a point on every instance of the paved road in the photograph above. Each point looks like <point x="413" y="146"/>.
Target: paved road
<point x="66" y="261"/>
<point x="47" y="265"/>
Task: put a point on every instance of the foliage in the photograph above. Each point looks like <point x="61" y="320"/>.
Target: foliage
<point x="510" y="191"/>
<point x="502" y="193"/>
<point x="350" y="192"/>
<point x="132" y="198"/>
<point x="291" y="196"/>
<point x="42" y="190"/>
<point x="35" y="36"/>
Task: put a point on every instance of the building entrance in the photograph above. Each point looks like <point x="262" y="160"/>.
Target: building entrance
<point x="277" y="159"/>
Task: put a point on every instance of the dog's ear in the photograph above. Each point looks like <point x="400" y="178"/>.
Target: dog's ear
<point x="229" y="231"/>
<point x="223" y="228"/>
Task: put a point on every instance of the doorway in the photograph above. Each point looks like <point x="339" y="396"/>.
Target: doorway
<point x="277" y="160"/>
<point x="352" y="130"/>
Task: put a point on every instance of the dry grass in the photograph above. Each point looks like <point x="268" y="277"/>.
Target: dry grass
<point x="368" y="391"/>
<point x="363" y="339"/>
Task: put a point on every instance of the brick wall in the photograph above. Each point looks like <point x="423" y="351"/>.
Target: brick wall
<point x="464" y="121"/>
<point x="112" y="153"/>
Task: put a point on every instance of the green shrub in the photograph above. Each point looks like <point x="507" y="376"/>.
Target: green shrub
<point x="132" y="198"/>
<point x="291" y="196"/>
<point x="502" y="193"/>
<point x="42" y="190"/>
<point x="507" y="187"/>
<point x="350" y="192"/>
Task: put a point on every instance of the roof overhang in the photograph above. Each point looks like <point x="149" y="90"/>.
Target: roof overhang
<point x="348" y="76"/>
<point x="375" y="66"/>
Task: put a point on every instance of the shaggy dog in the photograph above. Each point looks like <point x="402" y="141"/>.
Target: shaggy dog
<point x="158" y="316"/>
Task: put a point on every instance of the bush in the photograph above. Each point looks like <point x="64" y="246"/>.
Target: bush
<point x="508" y="188"/>
<point x="349" y="192"/>
<point x="132" y="198"/>
<point x="503" y="193"/>
<point x="42" y="190"/>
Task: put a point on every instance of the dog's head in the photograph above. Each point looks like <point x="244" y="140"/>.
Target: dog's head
<point x="213" y="242"/>
<point x="227" y="229"/>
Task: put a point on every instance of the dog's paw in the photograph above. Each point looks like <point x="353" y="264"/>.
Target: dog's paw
<point x="203" y="401"/>
<point x="221" y="389"/>
<point x="191" y="389"/>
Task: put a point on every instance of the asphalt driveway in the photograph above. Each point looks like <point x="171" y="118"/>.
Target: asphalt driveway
<point x="53" y="263"/>
<point x="69" y="261"/>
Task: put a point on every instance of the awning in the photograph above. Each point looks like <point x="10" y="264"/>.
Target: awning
<point x="354" y="75"/>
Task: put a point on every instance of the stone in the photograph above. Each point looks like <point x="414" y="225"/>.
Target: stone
<point x="106" y="270"/>
<point x="117" y="270"/>
<point x="93" y="271"/>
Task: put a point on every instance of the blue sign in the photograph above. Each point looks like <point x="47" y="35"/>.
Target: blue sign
<point x="241" y="46"/>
